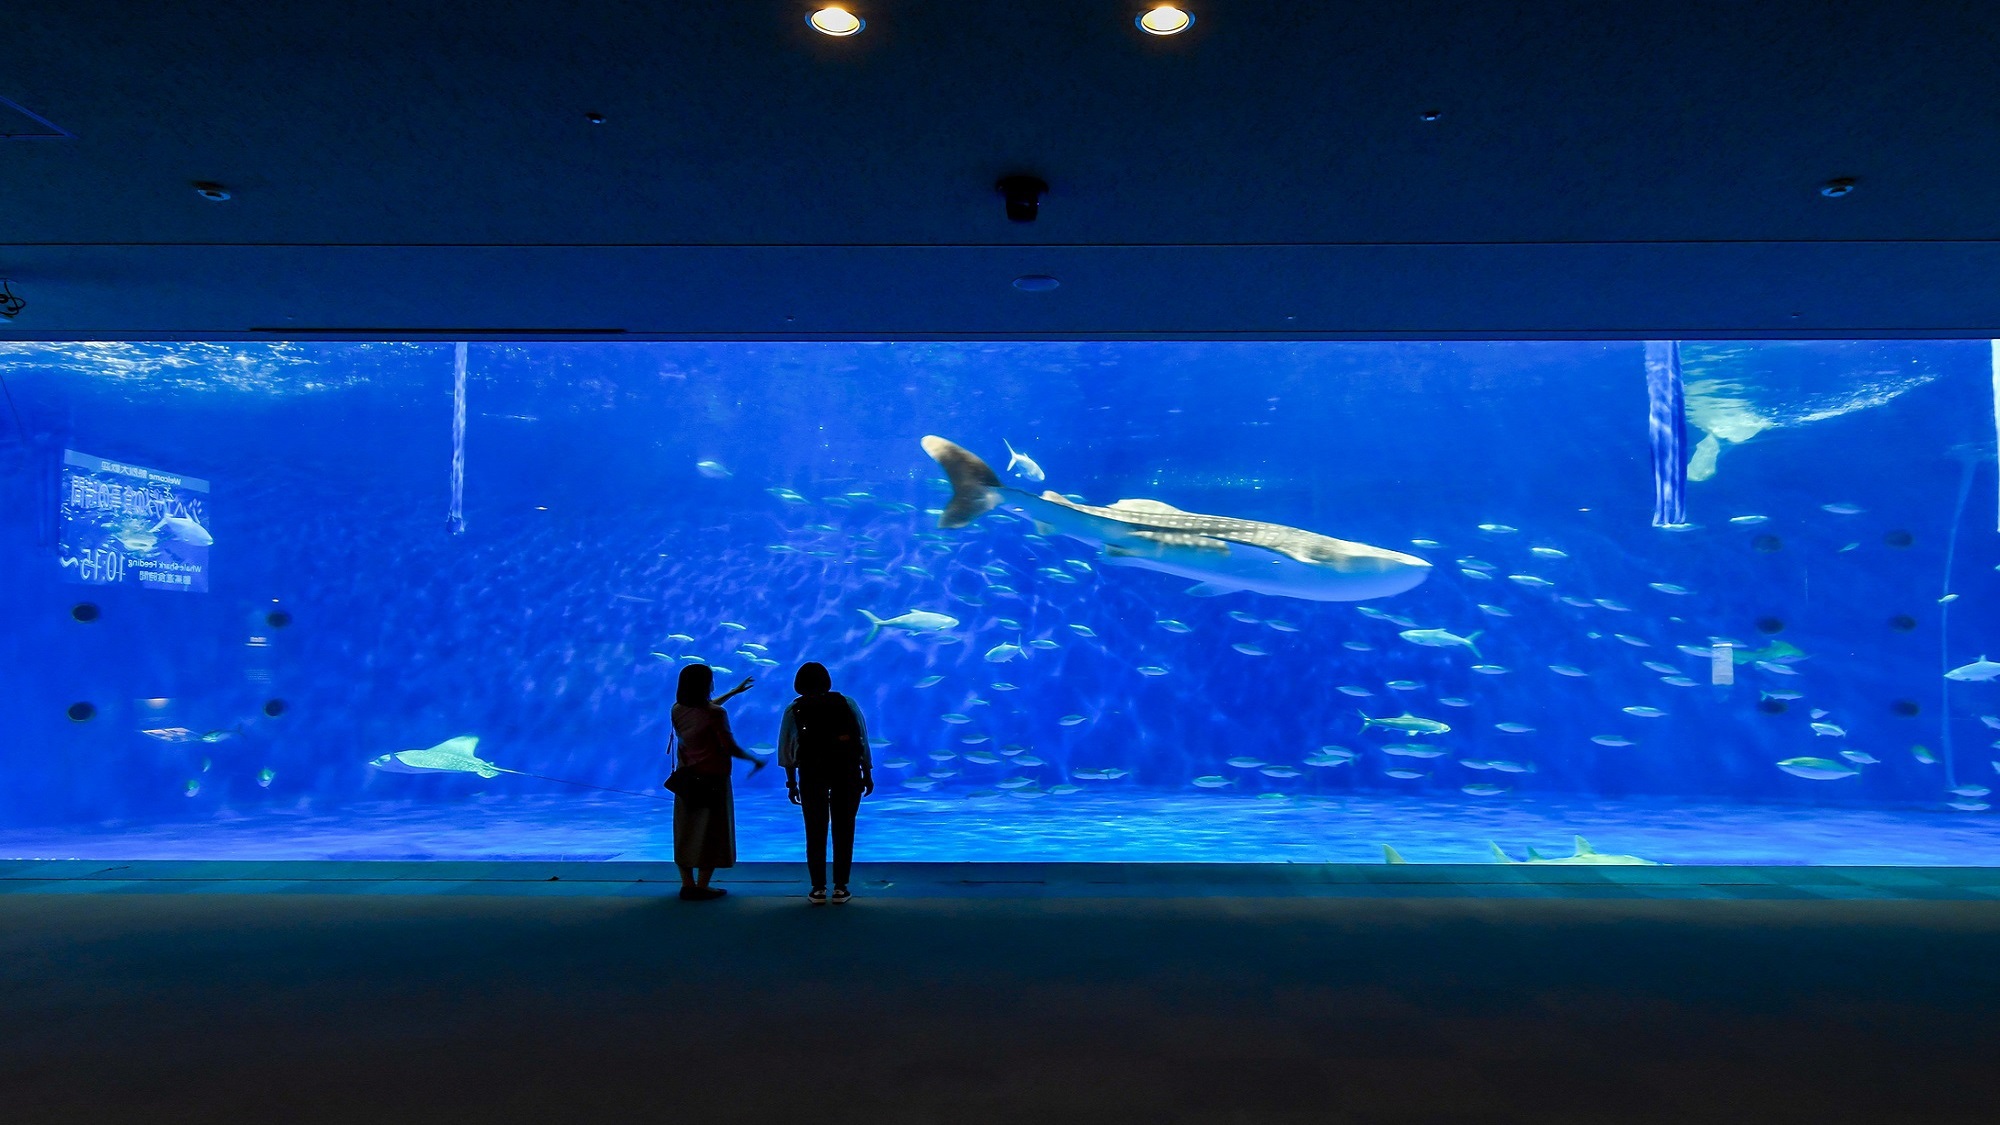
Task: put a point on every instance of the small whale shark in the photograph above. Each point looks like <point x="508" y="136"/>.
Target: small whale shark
<point x="185" y="529"/>
<point x="1221" y="553"/>
<point x="453" y="755"/>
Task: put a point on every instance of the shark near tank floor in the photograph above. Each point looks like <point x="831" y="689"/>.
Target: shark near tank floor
<point x="1066" y="992"/>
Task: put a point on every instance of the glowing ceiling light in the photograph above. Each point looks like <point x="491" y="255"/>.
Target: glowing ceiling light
<point x="1165" y="20"/>
<point x="835" y="21"/>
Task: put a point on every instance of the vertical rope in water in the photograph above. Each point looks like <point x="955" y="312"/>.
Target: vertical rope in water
<point x="455" y="523"/>
<point x="1667" y="424"/>
<point x="1944" y="621"/>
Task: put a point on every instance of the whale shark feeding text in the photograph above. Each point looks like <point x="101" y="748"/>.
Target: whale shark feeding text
<point x="1222" y="553"/>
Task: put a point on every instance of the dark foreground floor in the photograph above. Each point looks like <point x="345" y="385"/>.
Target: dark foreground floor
<point x="1173" y="1002"/>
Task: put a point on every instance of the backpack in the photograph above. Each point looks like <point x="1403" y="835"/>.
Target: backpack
<point x="829" y="738"/>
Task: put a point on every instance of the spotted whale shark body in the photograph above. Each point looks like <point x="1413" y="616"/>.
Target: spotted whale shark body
<point x="1222" y="553"/>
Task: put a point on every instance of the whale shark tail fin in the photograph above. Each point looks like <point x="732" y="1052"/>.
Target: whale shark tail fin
<point x="1498" y="855"/>
<point x="874" y="626"/>
<point x="975" y="488"/>
<point x="1391" y="855"/>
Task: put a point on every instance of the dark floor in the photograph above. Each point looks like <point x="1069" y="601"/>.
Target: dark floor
<point x="373" y="994"/>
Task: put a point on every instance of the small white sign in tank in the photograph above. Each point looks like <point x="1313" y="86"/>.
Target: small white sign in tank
<point x="1722" y="664"/>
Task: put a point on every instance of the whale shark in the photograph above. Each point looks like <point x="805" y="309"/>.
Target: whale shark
<point x="1222" y="554"/>
<point x="454" y="755"/>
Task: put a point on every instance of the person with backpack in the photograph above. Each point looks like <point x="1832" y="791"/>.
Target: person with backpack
<point x="823" y="745"/>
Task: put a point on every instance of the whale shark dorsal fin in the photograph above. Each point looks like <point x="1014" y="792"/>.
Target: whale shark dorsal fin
<point x="1390" y="855"/>
<point x="1160" y="506"/>
<point x="1583" y="847"/>
<point x="1534" y="855"/>
<point x="1498" y="855"/>
<point x="466" y="744"/>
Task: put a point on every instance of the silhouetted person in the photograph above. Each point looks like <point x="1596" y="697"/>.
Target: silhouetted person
<point x="705" y="818"/>
<point x="823" y="745"/>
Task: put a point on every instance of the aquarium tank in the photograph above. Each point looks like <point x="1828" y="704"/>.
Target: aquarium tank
<point x="1680" y="602"/>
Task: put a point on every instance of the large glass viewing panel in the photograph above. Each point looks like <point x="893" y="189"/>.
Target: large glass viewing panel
<point x="1207" y="601"/>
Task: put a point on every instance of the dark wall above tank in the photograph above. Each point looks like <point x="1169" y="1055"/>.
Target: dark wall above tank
<point x="1593" y="169"/>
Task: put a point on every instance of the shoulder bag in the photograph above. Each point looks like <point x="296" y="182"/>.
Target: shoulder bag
<point x="683" y="782"/>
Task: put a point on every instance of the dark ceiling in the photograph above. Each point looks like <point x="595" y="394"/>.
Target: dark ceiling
<point x="1612" y="167"/>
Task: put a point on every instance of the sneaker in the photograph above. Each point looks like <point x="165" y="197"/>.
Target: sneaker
<point x="816" y="896"/>
<point x="840" y="894"/>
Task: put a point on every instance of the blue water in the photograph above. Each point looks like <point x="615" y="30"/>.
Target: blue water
<point x="756" y="498"/>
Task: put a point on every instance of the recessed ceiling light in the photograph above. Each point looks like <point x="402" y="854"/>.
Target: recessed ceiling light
<point x="1036" y="283"/>
<point x="1165" y="20"/>
<point x="835" y="21"/>
<point x="214" y="193"/>
<point x="1834" y="189"/>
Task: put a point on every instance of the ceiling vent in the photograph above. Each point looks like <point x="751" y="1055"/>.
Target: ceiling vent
<point x="19" y="123"/>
